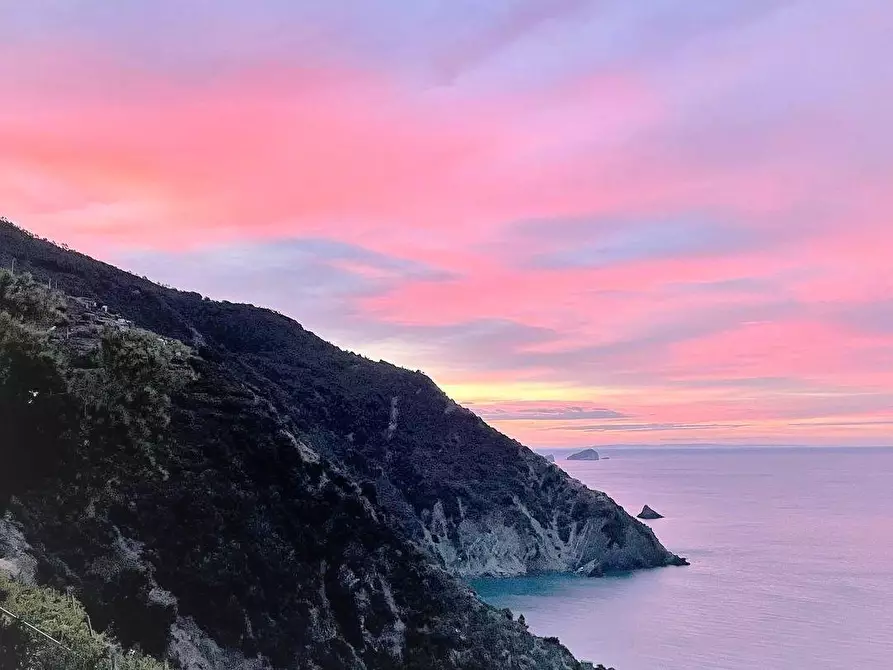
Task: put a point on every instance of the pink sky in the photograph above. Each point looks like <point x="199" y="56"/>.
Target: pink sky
<point x="592" y="222"/>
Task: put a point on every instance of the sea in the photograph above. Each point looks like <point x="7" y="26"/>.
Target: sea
<point x="791" y="554"/>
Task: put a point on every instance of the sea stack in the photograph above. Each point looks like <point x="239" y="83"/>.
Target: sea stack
<point x="585" y="455"/>
<point x="648" y="513"/>
<point x="550" y="458"/>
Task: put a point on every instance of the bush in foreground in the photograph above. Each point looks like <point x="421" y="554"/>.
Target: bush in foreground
<point x="63" y="618"/>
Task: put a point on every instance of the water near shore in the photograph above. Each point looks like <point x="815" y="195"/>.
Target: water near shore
<point x="792" y="564"/>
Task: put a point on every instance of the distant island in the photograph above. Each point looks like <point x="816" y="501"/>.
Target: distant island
<point x="585" y="455"/>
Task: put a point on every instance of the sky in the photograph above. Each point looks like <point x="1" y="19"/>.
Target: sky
<point x="592" y="222"/>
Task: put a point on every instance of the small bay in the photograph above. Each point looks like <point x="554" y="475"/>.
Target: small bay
<point x="792" y="563"/>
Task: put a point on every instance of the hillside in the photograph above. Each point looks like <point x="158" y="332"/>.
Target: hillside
<point x="294" y="503"/>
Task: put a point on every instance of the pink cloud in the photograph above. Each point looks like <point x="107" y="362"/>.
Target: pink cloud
<point x="349" y="153"/>
<point x="729" y="284"/>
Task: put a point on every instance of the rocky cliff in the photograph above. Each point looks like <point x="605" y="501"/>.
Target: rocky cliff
<point x="287" y="512"/>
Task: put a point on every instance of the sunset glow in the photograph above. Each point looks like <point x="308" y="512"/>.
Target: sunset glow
<point x="591" y="223"/>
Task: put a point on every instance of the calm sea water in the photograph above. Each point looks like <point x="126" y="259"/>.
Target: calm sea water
<point x="792" y="564"/>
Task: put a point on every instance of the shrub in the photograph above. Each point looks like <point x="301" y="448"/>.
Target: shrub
<point x="24" y="298"/>
<point x="62" y="618"/>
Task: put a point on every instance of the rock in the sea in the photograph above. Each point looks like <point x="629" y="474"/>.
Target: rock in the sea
<point x="550" y="458"/>
<point x="585" y="455"/>
<point x="648" y="513"/>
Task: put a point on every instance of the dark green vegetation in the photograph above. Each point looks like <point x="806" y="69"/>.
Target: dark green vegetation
<point x="220" y="486"/>
<point x="63" y="619"/>
<point x="94" y="411"/>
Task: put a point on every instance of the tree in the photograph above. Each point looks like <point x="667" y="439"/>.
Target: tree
<point x="123" y="391"/>
<point x="36" y="411"/>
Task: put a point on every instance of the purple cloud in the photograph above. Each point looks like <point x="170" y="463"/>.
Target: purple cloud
<point x="318" y="281"/>
<point x="647" y="427"/>
<point x="601" y="243"/>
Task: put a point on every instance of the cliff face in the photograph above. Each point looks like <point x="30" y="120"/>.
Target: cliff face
<point x="484" y="504"/>
<point x="303" y="491"/>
